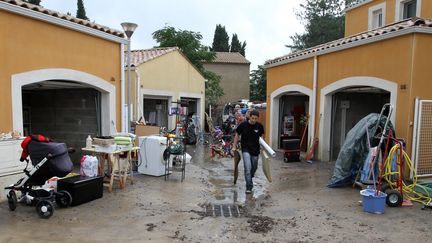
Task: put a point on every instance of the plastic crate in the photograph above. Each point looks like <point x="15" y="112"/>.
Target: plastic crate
<point x="82" y="189"/>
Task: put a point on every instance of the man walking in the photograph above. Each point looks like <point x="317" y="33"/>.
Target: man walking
<point x="249" y="133"/>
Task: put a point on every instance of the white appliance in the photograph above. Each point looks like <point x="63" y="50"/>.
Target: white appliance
<point x="151" y="155"/>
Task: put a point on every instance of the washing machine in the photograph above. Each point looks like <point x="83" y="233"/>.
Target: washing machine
<point x="151" y="160"/>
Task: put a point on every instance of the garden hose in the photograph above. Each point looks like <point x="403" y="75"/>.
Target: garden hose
<point x="409" y="191"/>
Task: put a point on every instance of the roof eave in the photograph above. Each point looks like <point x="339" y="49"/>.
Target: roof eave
<point x="60" y="22"/>
<point x="155" y="57"/>
<point x="356" y="6"/>
<point x="354" y="44"/>
<point x="172" y="50"/>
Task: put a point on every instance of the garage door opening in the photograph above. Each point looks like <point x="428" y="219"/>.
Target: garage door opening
<point x="293" y="110"/>
<point x="349" y="106"/>
<point x="192" y="106"/>
<point x="65" y="111"/>
<point x="156" y="111"/>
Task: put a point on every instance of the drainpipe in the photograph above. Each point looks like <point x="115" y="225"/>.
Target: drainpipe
<point x="314" y="93"/>
<point x="122" y="94"/>
<point x="138" y="95"/>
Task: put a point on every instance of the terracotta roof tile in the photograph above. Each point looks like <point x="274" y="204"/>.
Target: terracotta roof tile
<point x="43" y="10"/>
<point x="142" y="56"/>
<point x="398" y="26"/>
<point x="230" y="57"/>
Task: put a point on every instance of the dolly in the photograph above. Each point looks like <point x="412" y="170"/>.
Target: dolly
<point x="392" y="182"/>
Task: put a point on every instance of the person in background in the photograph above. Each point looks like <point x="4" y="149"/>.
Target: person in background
<point x="249" y="133"/>
<point x="238" y="115"/>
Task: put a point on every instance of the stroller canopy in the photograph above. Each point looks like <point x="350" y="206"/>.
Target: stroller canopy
<point x="59" y="164"/>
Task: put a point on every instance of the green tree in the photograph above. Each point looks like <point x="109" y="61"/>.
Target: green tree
<point x="220" y="39"/>
<point x="35" y="2"/>
<point x="258" y="84"/>
<point x="189" y="43"/>
<point x="81" y="13"/>
<point x="323" y="21"/>
<point x="237" y="46"/>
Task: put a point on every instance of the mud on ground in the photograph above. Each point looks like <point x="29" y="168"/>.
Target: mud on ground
<point x="207" y="207"/>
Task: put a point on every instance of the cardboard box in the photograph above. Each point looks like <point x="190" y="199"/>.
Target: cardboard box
<point x="143" y="130"/>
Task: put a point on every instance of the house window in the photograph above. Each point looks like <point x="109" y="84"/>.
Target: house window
<point x="377" y="16"/>
<point x="407" y="9"/>
<point x="377" y="19"/>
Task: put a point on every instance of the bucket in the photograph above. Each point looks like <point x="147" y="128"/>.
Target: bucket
<point x="373" y="203"/>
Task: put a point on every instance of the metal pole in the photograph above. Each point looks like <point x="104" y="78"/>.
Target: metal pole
<point x="129" y="87"/>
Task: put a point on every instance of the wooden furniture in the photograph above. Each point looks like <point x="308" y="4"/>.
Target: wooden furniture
<point x="118" y="168"/>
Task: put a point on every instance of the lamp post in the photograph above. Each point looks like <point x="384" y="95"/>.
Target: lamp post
<point x="129" y="29"/>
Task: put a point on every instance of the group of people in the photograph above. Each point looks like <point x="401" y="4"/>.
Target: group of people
<point x="248" y="133"/>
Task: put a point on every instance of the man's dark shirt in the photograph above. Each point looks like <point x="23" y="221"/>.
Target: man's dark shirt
<point x="250" y="135"/>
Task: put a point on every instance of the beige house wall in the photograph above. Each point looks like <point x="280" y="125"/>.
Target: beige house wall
<point x="37" y="45"/>
<point x="168" y="75"/>
<point x="234" y="82"/>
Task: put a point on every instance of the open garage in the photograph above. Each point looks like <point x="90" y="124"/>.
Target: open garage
<point x="64" y="111"/>
<point x="349" y="106"/>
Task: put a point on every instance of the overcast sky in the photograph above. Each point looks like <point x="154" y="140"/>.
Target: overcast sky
<point x="265" y="25"/>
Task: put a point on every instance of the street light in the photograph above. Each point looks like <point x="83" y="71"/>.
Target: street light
<point x="129" y="29"/>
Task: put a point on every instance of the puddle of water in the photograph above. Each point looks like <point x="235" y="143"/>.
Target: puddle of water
<point x="221" y="176"/>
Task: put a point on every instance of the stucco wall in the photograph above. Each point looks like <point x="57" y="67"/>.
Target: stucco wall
<point x="426" y="9"/>
<point x="175" y="76"/>
<point x="29" y="44"/>
<point x="171" y="72"/>
<point x="234" y="82"/>
<point x="356" y="20"/>
<point x="372" y="60"/>
<point x="300" y="72"/>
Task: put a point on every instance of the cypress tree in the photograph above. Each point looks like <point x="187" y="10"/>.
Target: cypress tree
<point x="81" y="13"/>
<point x="220" y="39"/>
<point x="35" y="2"/>
<point x="237" y="46"/>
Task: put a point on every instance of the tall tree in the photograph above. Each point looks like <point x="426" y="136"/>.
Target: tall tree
<point x="189" y="43"/>
<point x="323" y="21"/>
<point x="237" y="46"/>
<point x="258" y="84"/>
<point x="35" y="2"/>
<point x="81" y="13"/>
<point x="243" y="49"/>
<point x="220" y="39"/>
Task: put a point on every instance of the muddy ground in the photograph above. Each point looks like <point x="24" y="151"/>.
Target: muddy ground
<point x="295" y="207"/>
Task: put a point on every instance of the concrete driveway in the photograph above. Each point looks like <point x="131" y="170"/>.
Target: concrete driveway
<point x="207" y="207"/>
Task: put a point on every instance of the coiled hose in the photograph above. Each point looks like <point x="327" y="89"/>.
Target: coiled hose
<point x="422" y="194"/>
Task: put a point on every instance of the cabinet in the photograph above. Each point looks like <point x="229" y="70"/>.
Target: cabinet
<point x="10" y="152"/>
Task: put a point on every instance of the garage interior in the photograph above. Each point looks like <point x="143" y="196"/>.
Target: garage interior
<point x="65" y="111"/>
<point x="156" y="111"/>
<point x="349" y="106"/>
<point x="294" y="106"/>
<point x="192" y="107"/>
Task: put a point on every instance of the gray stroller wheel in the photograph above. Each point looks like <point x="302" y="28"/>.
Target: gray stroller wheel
<point x="45" y="209"/>
<point x="63" y="199"/>
<point x="12" y="200"/>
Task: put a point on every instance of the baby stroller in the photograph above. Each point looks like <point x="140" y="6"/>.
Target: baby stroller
<point x="49" y="159"/>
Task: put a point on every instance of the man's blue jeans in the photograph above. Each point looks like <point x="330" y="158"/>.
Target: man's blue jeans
<point x="250" y="166"/>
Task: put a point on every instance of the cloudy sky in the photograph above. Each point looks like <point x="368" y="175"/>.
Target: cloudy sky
<point x="265" y="25"/>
